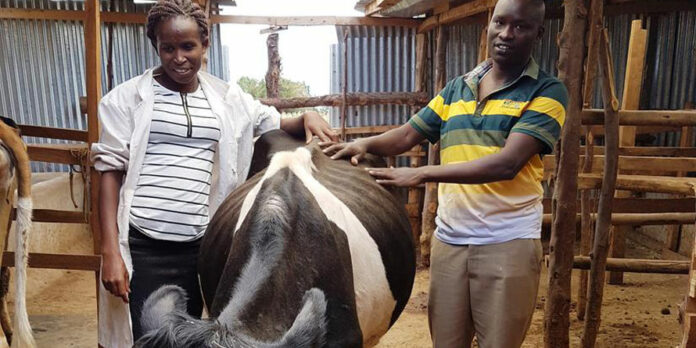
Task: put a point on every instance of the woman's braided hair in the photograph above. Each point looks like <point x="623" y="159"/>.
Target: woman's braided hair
<point x="165" y="9"/>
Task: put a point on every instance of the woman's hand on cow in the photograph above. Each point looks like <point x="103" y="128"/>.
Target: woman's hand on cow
<point x="356" y="150"/>
<point x="315" y="125"/>
<point x="115" y="276"/>
<point x="402" y="176"/>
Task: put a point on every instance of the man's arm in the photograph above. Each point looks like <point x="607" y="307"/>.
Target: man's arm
<point x="390" y="143"/>
<point x="519" y="149"/>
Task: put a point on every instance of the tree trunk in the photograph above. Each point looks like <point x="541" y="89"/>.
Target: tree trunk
<point x="273" y="72"/>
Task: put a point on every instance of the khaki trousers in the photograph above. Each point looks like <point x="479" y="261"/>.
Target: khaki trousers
<point x="483" y="290"/>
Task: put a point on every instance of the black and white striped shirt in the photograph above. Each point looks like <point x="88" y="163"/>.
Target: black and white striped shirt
<point x="171" y="198"/>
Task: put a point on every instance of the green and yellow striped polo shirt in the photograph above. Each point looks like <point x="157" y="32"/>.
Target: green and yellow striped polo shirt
<point x="533" y="104"/>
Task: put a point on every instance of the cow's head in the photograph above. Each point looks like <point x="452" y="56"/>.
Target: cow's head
<point x="167" y="325"/>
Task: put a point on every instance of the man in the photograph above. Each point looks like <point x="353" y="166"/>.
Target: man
<point x="494" y="124"/>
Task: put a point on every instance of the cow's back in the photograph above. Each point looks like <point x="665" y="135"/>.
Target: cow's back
<point x="378" y="212"/>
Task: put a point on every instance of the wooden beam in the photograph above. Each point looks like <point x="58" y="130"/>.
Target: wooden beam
<point x="441" y="6"/>
<point x="627" y="135"/>
<point x="375" y="98"/>
<point x="644" y="205"/>
<point x="70" y="15"/>
<point x="123" y="18"/>
<point x="57" y="261"/>
<point x="376" y="6"/>
<point x="93" y="65"/>
<point x="55" y="216"/>
<point x="641" y="183"/>
<point x="615" y="8"/>
<point x="640" y="7"/>
<point x="428" y="24"/>
<point x="634" y="7"/>
<point x="634" y="78"/>
<point x="657" y="151"/>
<point x="637" y="265"/>
<point x="140" y="18"/>
<point x="466" y="10"/>
<point x="672" y="118"/>
<point x="638" y="219"/>
<point x="53" y="133"/>
<point x="457" y="13"/>
<point x="598" y="132"/>
<point x="635" y="163"/>
<point x="57" y="153"/>
<point x="312" y="21"/>
<point x="367" y="129"/>
<point x="26" y="13"/>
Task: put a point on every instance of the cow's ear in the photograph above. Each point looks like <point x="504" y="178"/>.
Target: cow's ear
<point x="160" y="304"/>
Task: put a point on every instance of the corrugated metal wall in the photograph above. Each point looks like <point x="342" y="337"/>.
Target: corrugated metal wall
<point x="42" y="65"/>
<point x="380" y="59"/>
<point x="669" y="77"/>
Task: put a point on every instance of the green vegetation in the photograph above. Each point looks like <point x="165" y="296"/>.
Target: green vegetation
<point x="288" y="88"/>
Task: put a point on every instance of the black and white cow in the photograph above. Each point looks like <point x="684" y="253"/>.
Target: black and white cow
<point x="309" y="252"/>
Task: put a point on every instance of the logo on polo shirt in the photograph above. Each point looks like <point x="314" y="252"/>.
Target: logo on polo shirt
<point x="512" y="104"/>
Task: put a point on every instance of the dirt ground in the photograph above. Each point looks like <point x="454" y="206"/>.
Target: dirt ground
<point x="64" y="314"/>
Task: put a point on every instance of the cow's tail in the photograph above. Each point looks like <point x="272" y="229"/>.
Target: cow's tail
<point x="309" y="327"/>
<point x="23" y="336"/>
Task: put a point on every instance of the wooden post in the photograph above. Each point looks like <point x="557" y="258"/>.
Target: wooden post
<point x="627" y="134"/>
<point x="689" y="306"/>
<point x="601" y="240"/>
<point x="673" y="232"/>
<point x="205" y="5"/>
<point x="92" y="29"/>
<point x="415" y="194"/>
<point x="345" y="84"/>
<point x="430" y="198"/>
<point x="586" y="223"/>
<point x="596" y="22"/>
<point x="570" y="63"/>
<point x="273" y="72"/>
<point x="413" y="207"/>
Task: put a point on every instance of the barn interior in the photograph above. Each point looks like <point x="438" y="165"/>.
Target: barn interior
<point x="619" y="189"/>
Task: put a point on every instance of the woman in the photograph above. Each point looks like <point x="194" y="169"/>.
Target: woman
<point x="174" y="142"/>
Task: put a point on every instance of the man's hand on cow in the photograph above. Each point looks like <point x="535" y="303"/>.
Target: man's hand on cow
<point x="115" y="276"/>
<point x="355" y="150"/>
<point x="315" y="125"/>
<point x="402" y="176"/>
